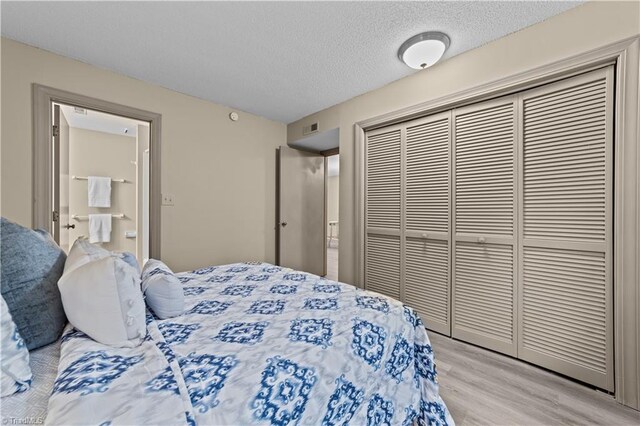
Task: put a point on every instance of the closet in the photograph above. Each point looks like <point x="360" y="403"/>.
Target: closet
<point x="494" y="222"/>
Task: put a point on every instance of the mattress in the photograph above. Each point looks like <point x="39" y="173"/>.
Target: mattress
<point x="31" y="406"/>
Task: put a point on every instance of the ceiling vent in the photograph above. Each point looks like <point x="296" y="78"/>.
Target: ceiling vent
<point x="79" y="110"/>
<point x="311" y="128"/>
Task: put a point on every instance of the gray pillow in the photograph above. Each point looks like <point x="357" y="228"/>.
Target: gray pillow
<point x="32" y="263"/>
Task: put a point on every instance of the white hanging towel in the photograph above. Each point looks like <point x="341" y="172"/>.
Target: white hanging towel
<point x="99" y="191"/>
<point x="99" y="228"/>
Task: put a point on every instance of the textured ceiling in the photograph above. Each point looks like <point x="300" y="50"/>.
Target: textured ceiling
<point x="280" y="60"/>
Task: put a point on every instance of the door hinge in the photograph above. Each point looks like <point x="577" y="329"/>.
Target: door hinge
<point x="56" y="216"/>
<point x="56" y="131"/>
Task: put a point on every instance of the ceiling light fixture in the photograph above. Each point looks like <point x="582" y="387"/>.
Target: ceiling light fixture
<point x="423" y="50"/>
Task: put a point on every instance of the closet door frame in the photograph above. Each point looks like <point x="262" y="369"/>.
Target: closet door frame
<point x="625" y="55"/>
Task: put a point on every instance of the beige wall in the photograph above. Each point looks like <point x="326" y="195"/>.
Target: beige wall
<point x="94" y="153"/>
<point x="333" y="202"/>
<point x="584" y="28"/>
<point x="221" y="173"/>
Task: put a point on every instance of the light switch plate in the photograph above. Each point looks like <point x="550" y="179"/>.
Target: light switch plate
<point x="167" y="199"/>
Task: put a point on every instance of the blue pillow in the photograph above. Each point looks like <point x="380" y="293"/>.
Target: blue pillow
<point x="162" y="290"/>
<point x="32" y="263"/>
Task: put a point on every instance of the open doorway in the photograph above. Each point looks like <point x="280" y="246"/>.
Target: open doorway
<point x="333" y="224"/>
<point x="62" y="204"/>
<point x="100" y="185"/>
<point x="308" y="228"/>
<point x="307" y="211"/>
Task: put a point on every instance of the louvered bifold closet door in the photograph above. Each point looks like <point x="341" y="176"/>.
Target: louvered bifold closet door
<point x="427" y="237"/>
<point x="566" y="240"/>
<point x="383" y="217"/>
<point x="483" y="308"/>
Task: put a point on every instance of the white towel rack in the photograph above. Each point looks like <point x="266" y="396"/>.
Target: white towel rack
<point x="86" y="178"/>
<point x="78" y="217"/>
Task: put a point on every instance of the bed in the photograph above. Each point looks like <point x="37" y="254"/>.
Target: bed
<point x="31" y="406"/>
<point x="258" y="344"/>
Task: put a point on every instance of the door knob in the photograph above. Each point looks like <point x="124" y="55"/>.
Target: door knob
<point x="70" y="226"/>
<point x="283" y="224"/>
<point x="482" y="240"/>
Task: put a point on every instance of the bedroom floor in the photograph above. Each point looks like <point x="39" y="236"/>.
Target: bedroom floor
<point x="482" y="387"/>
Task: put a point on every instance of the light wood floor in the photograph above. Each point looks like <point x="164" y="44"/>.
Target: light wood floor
<point x="481" y="387"/>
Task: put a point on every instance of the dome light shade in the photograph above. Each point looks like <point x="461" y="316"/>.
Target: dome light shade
<point x="423" y="50"/>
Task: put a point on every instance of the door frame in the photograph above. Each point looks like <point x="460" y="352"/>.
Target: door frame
<point x="43" y="98"/>
<point x="56" y="146"/>
<point x="625" y="56"/>
<point x="328" y="153"/>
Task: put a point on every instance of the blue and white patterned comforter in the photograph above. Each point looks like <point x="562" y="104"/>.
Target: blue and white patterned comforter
<point x="258" y="344"/>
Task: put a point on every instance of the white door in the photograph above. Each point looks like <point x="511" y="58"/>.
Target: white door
<point x="383" y="211"/>
<point x="427" y="229"/>
<point x="567" y="226"/>
<point x="60" y="188"/>
<point x="301" y="211"/>
<point x="483" y="302"/>
<point x="407" y="216"/>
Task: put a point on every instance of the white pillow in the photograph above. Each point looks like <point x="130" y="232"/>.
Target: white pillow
<point x="83" y="252"/>
<point x="162" y="290"/>
<point x="102" y="298"/>
<point x="130" y="258"/>
<point x="16" y="373"/>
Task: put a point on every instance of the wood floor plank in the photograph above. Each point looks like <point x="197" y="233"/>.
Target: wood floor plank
<point x="482" y="387"/>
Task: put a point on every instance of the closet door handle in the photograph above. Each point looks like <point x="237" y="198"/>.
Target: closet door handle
<point x="482" y="240"/>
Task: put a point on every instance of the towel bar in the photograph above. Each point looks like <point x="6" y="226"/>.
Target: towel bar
<point x="86" y="178"/>
<point x="78" y="217"/>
